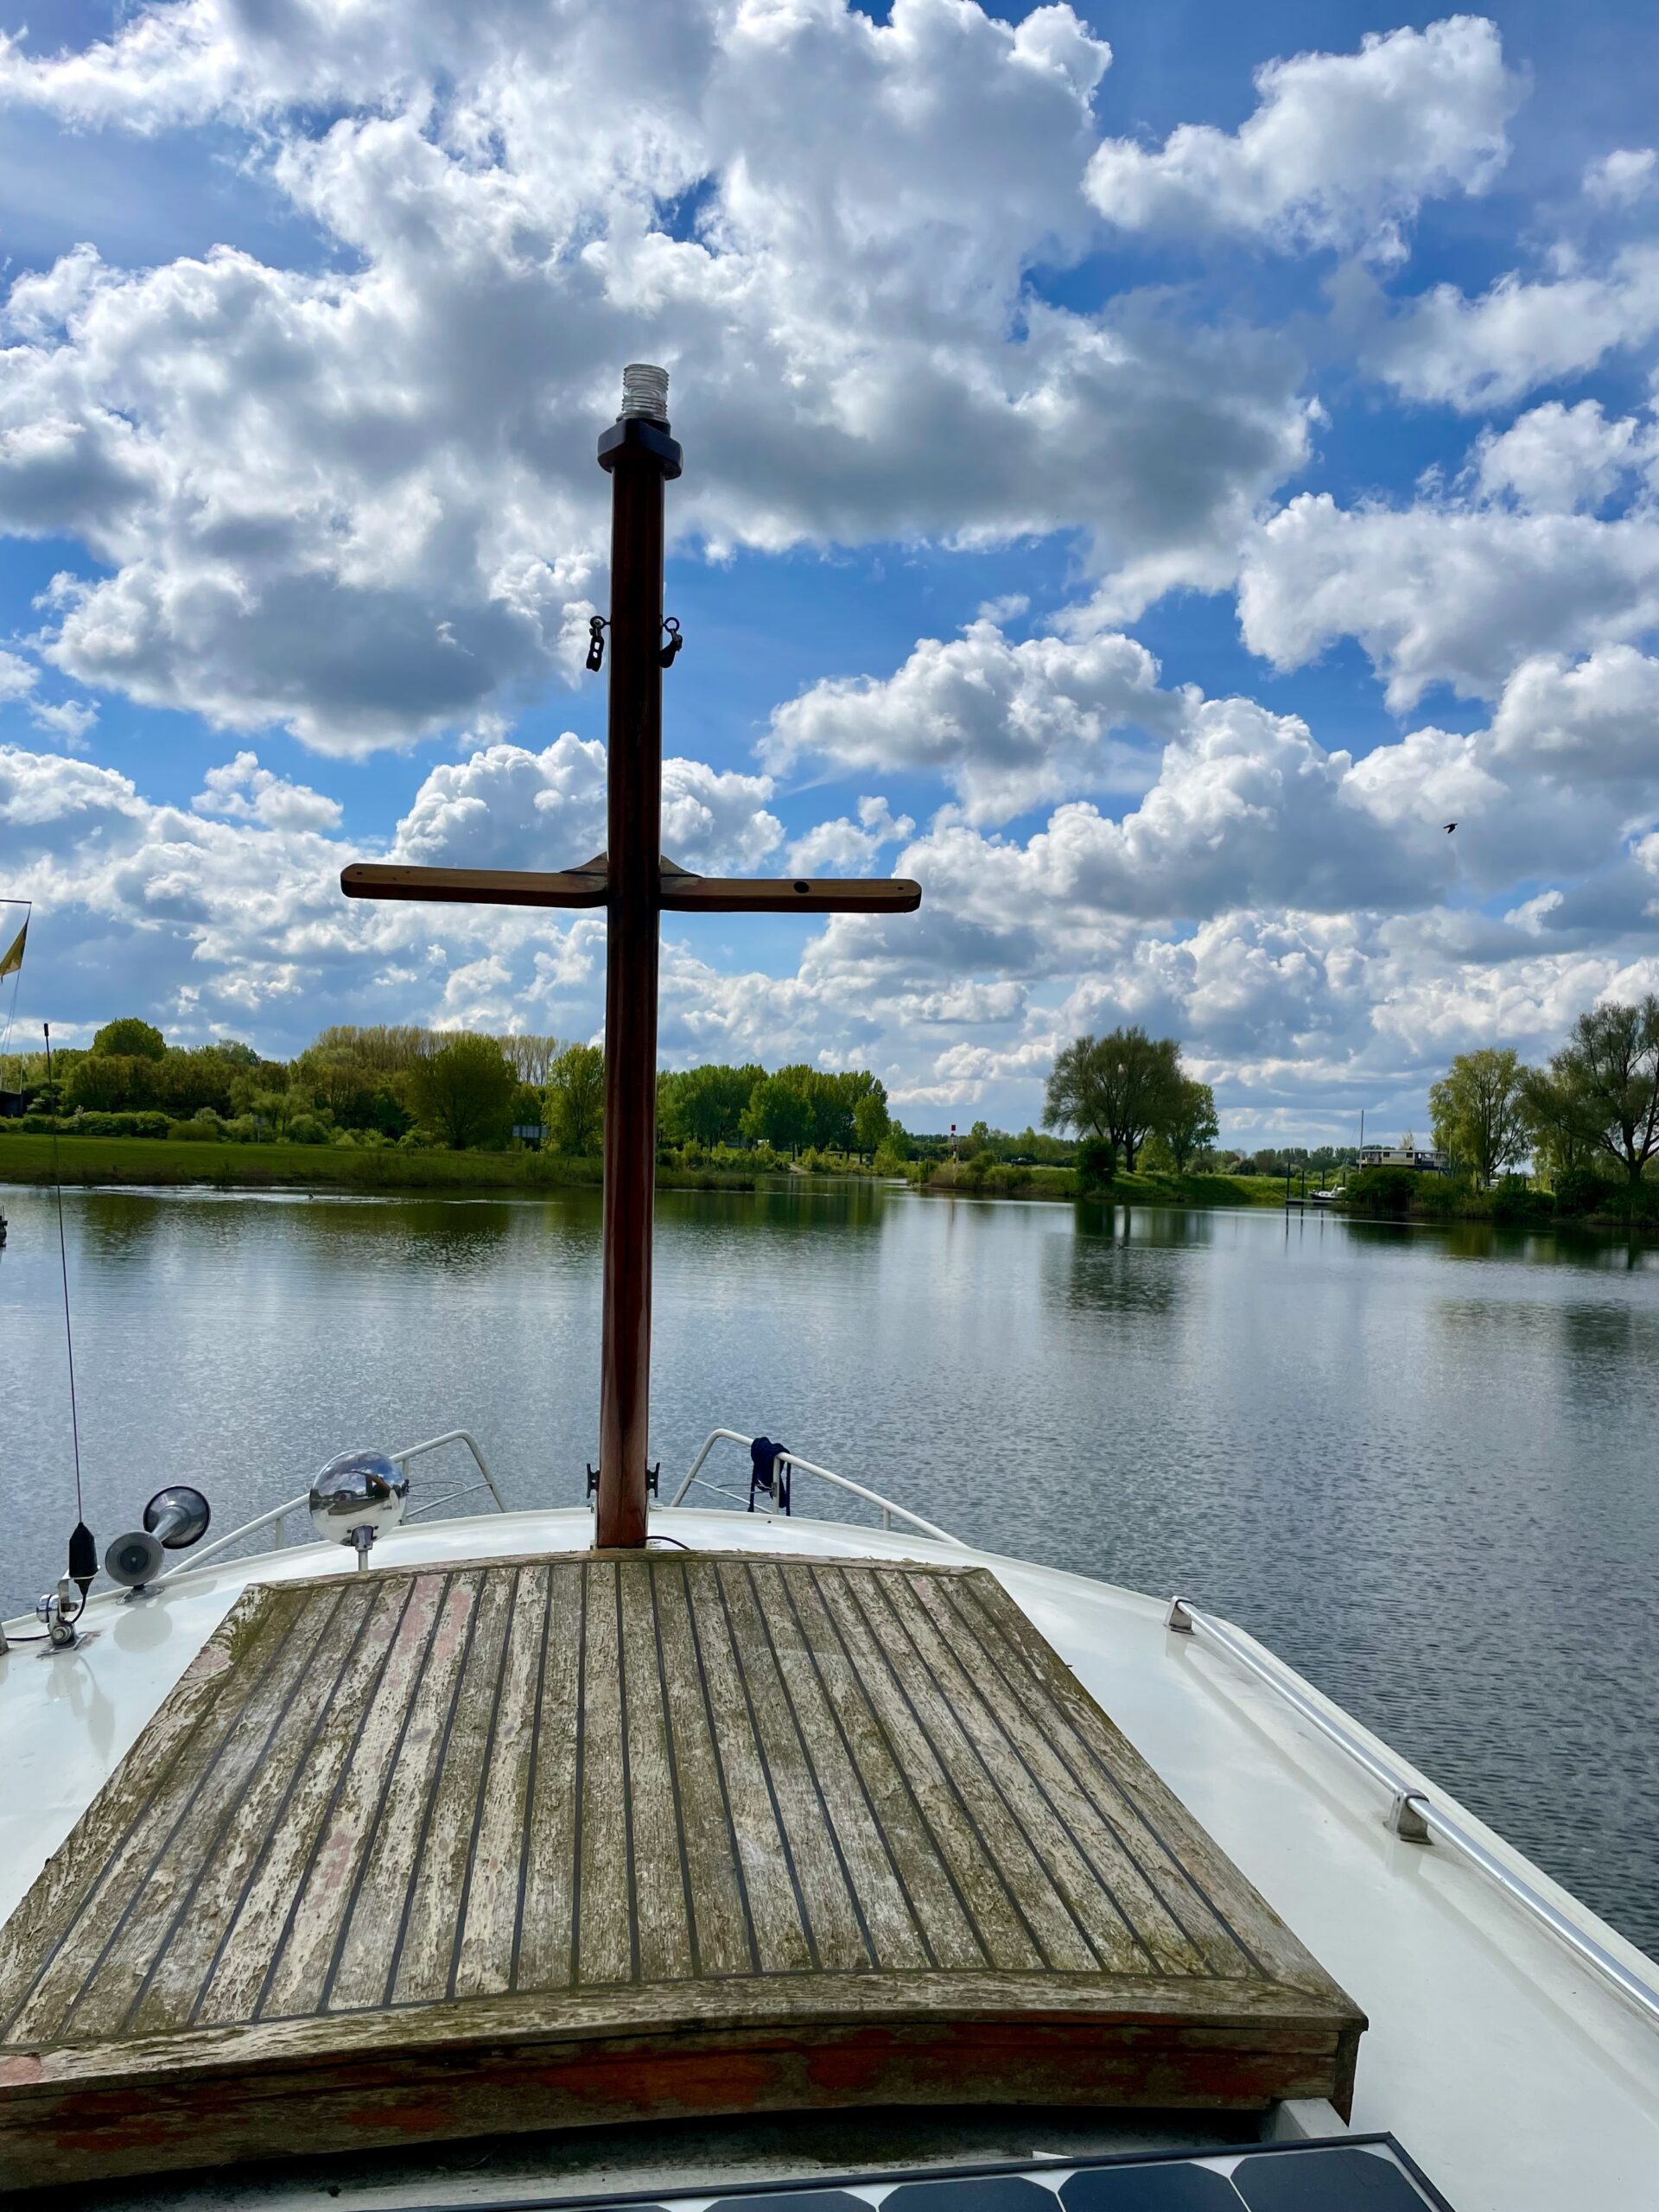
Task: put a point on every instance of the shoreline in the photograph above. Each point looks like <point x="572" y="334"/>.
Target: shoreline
<point x="26" y="1158"/>
<point x="168" y="1162"/>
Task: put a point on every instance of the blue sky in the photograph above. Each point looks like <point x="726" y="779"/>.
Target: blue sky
<point x="1147" y="469"/>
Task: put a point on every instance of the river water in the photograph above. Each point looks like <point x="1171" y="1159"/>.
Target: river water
<point x="1422" y="1464"/>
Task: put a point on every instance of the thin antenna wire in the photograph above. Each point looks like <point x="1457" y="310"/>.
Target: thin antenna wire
<point x="63" y="1263"/>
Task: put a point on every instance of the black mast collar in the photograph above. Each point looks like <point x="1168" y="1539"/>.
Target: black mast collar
<point x="646" y="437"/>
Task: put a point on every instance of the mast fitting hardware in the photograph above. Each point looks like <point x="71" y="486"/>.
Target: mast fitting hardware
<point x="1408" y="1816"/>
<point x="671" y="627"/>
<point x="52" y="1609"/>
<point x="597" y="626"/>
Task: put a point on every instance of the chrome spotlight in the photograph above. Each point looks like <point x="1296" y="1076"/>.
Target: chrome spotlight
<point x="355" y="1496"/>
<point x="174" y="1518"/>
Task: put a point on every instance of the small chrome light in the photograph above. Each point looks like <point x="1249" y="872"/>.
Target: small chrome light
<point x="355" y="1496"/>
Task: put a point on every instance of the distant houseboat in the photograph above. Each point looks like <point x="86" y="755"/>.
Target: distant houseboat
<point x="1402" y="1155"/>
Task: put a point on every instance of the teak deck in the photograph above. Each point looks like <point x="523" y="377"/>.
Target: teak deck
<point x="447" y="1851"/>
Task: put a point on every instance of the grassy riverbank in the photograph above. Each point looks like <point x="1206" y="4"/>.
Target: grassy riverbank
<point x="1001" y="1180"/>
<point x="26" y="1158"/>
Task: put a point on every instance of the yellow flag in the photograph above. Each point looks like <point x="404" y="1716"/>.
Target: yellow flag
<point x="12" y="961"/>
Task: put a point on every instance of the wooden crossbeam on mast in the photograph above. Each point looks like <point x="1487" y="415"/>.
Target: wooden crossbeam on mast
<point x="635" y="885"/>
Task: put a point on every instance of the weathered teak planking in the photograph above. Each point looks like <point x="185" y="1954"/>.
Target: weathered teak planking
<point x="454" y="1851"/>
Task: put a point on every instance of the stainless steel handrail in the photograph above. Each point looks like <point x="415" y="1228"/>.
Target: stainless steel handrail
<point x="1413" y="1812"/>
<point x="453" y="1436"/>
<point x="824" y="1474"/>
<point x="198" y="1557"/>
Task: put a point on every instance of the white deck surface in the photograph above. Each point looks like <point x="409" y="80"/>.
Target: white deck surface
<point x="1518" y="2079"/>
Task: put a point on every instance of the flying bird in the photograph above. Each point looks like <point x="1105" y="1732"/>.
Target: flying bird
<point x="1450" y="827"/>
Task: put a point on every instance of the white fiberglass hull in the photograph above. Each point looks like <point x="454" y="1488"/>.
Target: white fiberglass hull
<point x="1516" y="2075"/>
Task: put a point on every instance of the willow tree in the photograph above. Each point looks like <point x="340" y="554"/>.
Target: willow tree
<point x="1119" y="1088"/>
<point x="1478" y="1108"/>
<point x="1602" y="1091"/>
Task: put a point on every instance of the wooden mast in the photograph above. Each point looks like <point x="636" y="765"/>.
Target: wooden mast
<point x="641" y="457"/>
<point x="636" y="884"/>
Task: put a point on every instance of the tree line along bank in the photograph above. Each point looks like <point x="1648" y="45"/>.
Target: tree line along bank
<point x="418" y="1089"/>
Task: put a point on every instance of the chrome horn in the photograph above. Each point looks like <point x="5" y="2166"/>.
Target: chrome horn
<point x="176" y="1518"/>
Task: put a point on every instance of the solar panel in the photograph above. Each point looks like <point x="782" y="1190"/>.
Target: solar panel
<point x="1368" y="2173"/>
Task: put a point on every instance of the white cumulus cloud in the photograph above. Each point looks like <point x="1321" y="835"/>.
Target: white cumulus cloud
<point x="1523" y="332"/>
<point x="1621" y="178"/>
<point x="1009" y="725"/>
<point x="1341" y="147"/>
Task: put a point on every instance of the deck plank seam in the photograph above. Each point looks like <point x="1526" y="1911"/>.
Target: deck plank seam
<point x="295" y="1778"/>
<point x="213" y="1773"/>
<point x="465" y="1899"/>
<point x="816" y="1964"/>
<point x="876" y="1823"/>
<point x="1092" y="1794"/>
<point x="372" y="1828"/>
<point x="1116" y="1788"/>
<point x="811" y="1766"/>
<point x="674" y="1782"/>
<point x="582" y="1573"/>
<point x="281" y="1651"/>
<point x="455" y="1783"/>
<point x="530" y="1788"/>
<point x="720" y="1770"/>
<point x="969" y="1920"/>
<point x="1101" y="1781"/>
<point x="990" y="1858"/>
<point x="630" y="1882"/>
<point x="88" y="1881"/>
<point x="1085" y="1854"/>
<point x="434" y="1783"/>
<point x="1038" y="1856"/>
<point x="273" y="1833"/>
<point x="108" y="1873"/>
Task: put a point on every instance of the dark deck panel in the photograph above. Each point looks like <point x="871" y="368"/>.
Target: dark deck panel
<point x="453" y="1851"/>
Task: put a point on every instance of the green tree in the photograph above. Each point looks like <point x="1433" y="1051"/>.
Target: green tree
<point x="1602" y="1091"/>
<point x="529" y="1107"/>
<point x="346" y="1084"/>
<point x="705" y="1104"/>
<point x="780" y="1109"/>
<point x="129" y="1038"/>
<point x="390" y="1049"/>
<point x="274" y="1108"/>
<point x="110" y="1083"/>
<point x="1560" y="1145"/>
<point x="893" y="1150"/>
<point x="464" y="1091"/>
<point x="835" y="1101"/>
<point x="871" y="1120"/>
<point x="1189" y="1123"/>
<point x="576" y="1100"/>
<point x="530" y="1056"/>
<point x="1120" y="1087"/>
<point x="1479" y="1111"/>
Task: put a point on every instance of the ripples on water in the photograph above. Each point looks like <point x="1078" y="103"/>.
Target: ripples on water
<point x="1418" y="1464"/>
